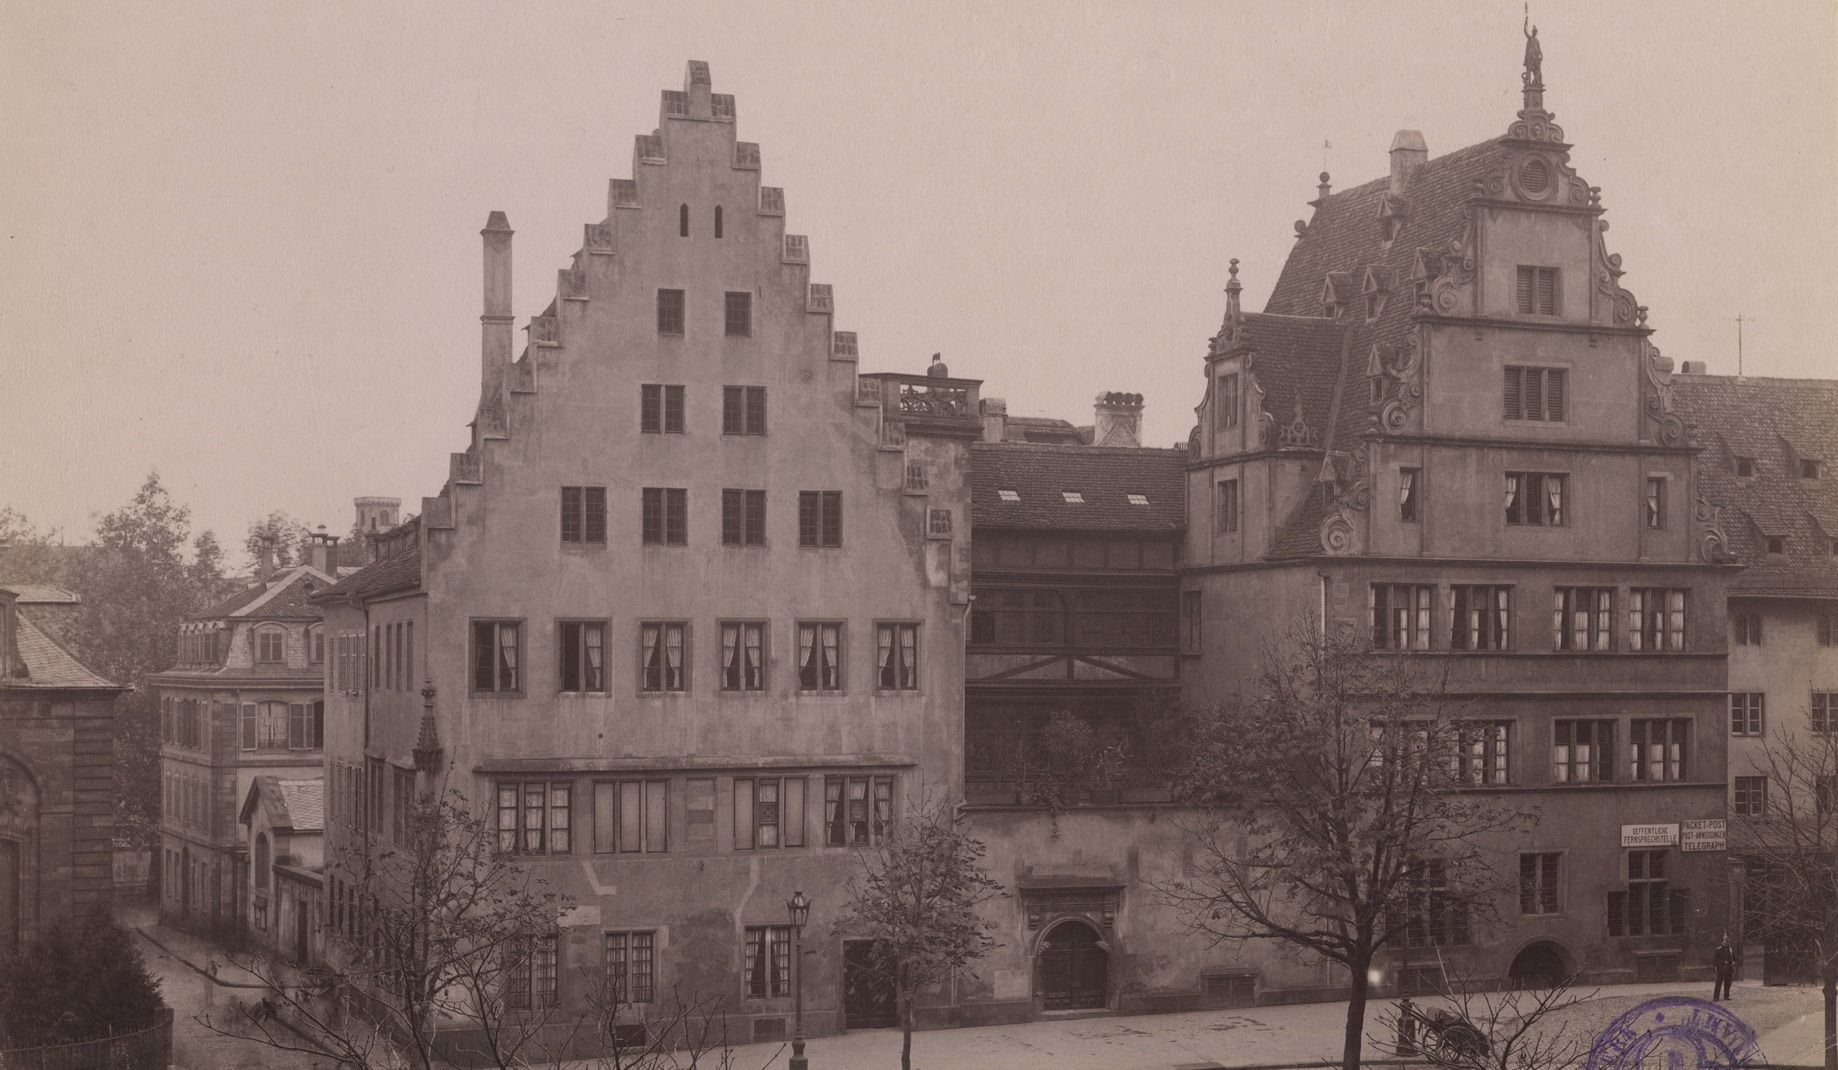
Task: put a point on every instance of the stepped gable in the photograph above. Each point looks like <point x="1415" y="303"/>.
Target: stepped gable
<point x="1776" y="423"/>
<point x="1104" y="476"/>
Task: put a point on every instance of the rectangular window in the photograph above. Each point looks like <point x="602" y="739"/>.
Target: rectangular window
<point x="896" y="649"/>
<point x="768" y="812"/>
<point x="743" y="656"/>
<point x="532" y="980"/>
<point x="1409" y="494"/>
<point x="743" y="410"/>
<point x="856" y="809"/>
<point x="1582" y="618"/>
<point x="660" y="409"/>
<point x="535" y="817"/>
<point x="1483" y="756"/>
<point x="1746" y="712"/>
<point x="1190" y="622"/>
<point x="300" y="726"/>
<point x="1655" y="503"/>
<point x="248" y="733"/>
<point x="1823" y="624"/>
<point x="670" y="312"/>
<point x="1537" y="291"/>
<point x="583" y="655"/>
<point x="1535" y="393"/>
<point x="820" y="518"/>
<point x="1536" y="499"/>
<point x="662" y="648"/>
<point x="1226" y="516"/>
<point x="584" y="514"/>
<point x="1226" y="402"/>
<point x="665" y="516"/>
<point x="739" y="309"/>
<point x="1400" y="616"/>
<point x="819" y="656"/>
<point x="1481" y="617"/>
<point x="1748" y="628"/>
<point x="1749" y="796"/>
<point x="631" y="816"/>
<point x="1580" y="751"/>
<point x="1538" y="883"/>
<point x="630" y="976"/>
<point x="1649" y="906"/>
<point x="767" y="962"/>
<point x="402" y="802"/>
<point x="497" y="654"/>
<point x="1655" y="619"/>
<point x="743" y="517"/>
<point x="1657" y="749"/>
<point x="1433" y="918"/>
<point x="1824" y="712"/>
<point x="269" y="646"/>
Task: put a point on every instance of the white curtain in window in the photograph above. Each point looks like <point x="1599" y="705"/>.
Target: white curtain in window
<point x="755" y="639"/>
<point x="730" y="656"/>
<point x="593" y="645"/>
<point x="1675" y="620"/>
<point x="1554" y="491"/>
<point x="832" y="660"/>
<point x="909" y="656"/>
<point x="507" y="657"/>
<point x="673" y="659"/>
<point x="653" y="669"/>
<point x="884" y="643"/>
<point x="1512" y="490"/>
<point x="807" y="651"/>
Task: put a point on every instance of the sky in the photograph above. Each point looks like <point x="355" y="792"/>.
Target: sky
<point x="240" y="241"/>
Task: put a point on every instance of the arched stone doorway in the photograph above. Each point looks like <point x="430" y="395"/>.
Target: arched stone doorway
<point x="19" y="905"/>
<point x="1073" y="968"/>
<point x="1539" y="965"/>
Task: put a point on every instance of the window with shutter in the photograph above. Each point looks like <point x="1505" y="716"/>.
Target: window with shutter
<point x="1513" y="381"/>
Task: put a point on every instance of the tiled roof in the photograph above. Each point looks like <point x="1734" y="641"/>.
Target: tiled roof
<point x="283" y="597"/>
<point x="1344" y="238"/>
<point x="399" y="573"/>
<point x="47" y="663"/>
<point x="298" y="805"/>
<point x="1104" y="476"/>
<point x="1776" y="423"/>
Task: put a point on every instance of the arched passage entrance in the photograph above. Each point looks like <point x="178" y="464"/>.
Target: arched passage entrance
<point x="1074" y="968"/>
<point x="1539" y="965"/>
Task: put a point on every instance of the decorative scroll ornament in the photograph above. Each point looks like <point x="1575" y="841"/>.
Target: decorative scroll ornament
<point x="1405" y="389"/>
<point x="1337" y="536"/>
<point x="1671" y="430"/>
<point x="1357" y="495"/>
<point x="1457" y="266"/>
<point x="1608" y="278"/>
<point x="1713" y="544"/>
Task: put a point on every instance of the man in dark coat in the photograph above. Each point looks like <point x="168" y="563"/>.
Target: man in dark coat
<point x="1725" y="963"/>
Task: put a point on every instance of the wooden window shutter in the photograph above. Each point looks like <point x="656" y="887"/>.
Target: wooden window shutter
<point x="1513" y="410"/>
<point x="1547" y="291"/>
<point x="1525" y="289"/>
<point x="1554" y="394"/>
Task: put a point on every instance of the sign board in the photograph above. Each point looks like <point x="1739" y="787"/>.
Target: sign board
<point x="1649" y="835"/>
<point x="1705" y="835"/>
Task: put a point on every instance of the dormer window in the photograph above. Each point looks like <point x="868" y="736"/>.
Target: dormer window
<point x="270" y="646"/>
<point x="1073" y="497"/>
<point x="1008" y="495"/>
<point x="1745" y="466"/>
<point x="1138" y="499"/>
<point x="1777" y="544"/>
<point x="1809" y="469"/>
<point x="315" y="644"/>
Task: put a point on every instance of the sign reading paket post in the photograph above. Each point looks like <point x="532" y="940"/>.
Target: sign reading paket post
<point x="1649" y="835"/>
<point x="1705" y="835"/>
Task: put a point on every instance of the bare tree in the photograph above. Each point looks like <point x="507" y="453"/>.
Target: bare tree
<point x="1473" y="1025"/>
<point x="439" y="936"/>
<point x="1336" y="812"/>
<point x="1791" y="902"/>
<point x="915" y="896"/>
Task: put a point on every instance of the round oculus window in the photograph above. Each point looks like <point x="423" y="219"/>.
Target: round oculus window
<point x="1535" y="176"/>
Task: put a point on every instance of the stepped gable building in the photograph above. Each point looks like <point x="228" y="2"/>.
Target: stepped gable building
<point x="1769" y="474"/>
<point x="244" y="699"/>
<point x="686" y="619"/>
<point x="57" y="756"/>
<point x="1440" y="434"/>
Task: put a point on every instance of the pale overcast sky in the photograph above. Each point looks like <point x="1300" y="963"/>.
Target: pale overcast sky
<point x="241" y="240"/>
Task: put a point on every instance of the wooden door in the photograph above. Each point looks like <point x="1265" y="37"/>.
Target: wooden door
<point x="1074" y="969"/>
<point x="867" y="1001"/>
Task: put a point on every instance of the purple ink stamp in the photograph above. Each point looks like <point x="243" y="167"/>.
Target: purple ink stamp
<point x="1677" y="1033"/>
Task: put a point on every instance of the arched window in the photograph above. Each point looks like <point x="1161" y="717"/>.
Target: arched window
<point x="261" y="861"/>
<point x="682" y="221"/>
<point x="270" y="646"/>
<point x="717" y="221"/>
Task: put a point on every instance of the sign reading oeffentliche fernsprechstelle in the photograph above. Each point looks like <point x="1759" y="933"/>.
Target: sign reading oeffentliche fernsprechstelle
<point x="1705" y="834"/>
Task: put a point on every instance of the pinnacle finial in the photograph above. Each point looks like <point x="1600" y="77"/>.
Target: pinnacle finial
<point x="1233" y="317"/>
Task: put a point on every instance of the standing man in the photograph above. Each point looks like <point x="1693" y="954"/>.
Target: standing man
<point x="1725" y="963"/>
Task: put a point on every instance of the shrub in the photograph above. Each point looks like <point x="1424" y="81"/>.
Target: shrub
<point x="83" y="979"/>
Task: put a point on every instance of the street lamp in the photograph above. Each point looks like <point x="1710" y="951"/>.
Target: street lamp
<point x="800" y="910"/>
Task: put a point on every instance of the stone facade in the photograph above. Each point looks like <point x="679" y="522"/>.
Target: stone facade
<point x="56" y="764"/>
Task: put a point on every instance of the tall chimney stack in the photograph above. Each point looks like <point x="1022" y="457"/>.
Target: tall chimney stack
<point x="495" y="323"/>
<point x="325" y="552"/>
<point x="1408" y="153"/>
<point x="1117" y="419"/>
<point x="264" y="558"/>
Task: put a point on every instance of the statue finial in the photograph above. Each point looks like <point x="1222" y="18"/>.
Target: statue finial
<point x="1534" y="53"/>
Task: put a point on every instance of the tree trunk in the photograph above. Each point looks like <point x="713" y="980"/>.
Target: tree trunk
<point x="1356" y="1016"/>
<point x="906" y="1032"/>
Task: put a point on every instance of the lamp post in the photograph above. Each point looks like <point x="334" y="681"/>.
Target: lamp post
<point x="800" y="910"/>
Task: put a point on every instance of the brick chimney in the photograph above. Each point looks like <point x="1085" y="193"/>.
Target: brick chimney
<point x="264" y="558"/>
<point x="11" y="664"/>
<point x="995" y="418"/>
<point x="495" y="323"/>
<point x="1408" y="153"/>
<point x="1117" y="419"/>
<point x="324" y="552"/>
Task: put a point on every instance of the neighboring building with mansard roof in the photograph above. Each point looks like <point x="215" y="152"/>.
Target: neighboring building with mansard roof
<point x="1769" y="477"/>
<point x="244" y="699"/>
<point x="57" y="721"/>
